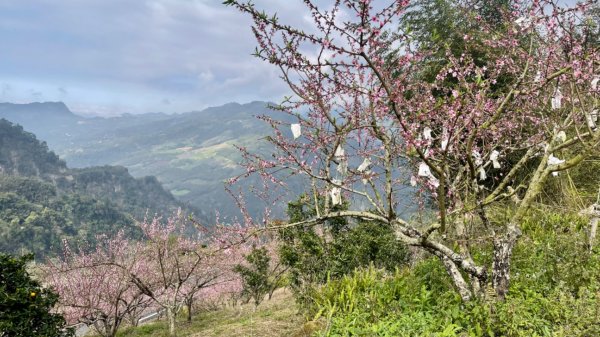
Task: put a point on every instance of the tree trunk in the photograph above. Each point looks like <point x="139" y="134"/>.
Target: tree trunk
<point x="504" y="245"/>
<point x="115" y="326"/>
<point x="189" y="302"/>
<point x="503" y="248"/>
<point x="463" y="245"/>
<point x="134" y="316"/>
<point x="271" y="291"/>
<point x="456" y="264"/>
<point x="104" y="328"/>
<point x="113" y="331"/>
<point x="171" y="316"/>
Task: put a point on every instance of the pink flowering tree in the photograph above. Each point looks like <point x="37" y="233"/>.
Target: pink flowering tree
<point x="168" y="269"/>
<point x="171" y="266"/>
<point x="369" y="131"/>
<point x="208" y="277"/>
<point x="169" y="260"/>
<point x="140" y="305"/>
<point x="214" y="278"/>
<point x="98" y="295"/>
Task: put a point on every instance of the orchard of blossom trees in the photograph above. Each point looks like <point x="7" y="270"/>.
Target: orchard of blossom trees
<point x="123" y="280"/>
<point x="385" y="122"/>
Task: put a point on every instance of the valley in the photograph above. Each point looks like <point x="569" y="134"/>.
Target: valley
<point x="192" y="154"/>
<point x="43" y="202"/>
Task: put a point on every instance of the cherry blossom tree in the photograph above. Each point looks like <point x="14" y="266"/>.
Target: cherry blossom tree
<point x="98" y="295"/>
<point x="168" y="269"/>
<point x="214" y="278"/>
<point x="140" y="305"/>
<point x="167" y="260"/>
<point x="171" y="266"/>
<point x="482" y="135"/>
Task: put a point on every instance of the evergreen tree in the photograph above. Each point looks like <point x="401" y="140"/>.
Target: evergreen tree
<point x="255" y="275"/>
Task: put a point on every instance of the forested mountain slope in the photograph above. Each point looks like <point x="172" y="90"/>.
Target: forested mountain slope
<point x="42" y="201"/>
<point x="191" y="154"/>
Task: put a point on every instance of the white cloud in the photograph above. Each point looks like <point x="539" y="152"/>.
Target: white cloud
<point x="114" y="56"/>
<point x="122" y="54"/>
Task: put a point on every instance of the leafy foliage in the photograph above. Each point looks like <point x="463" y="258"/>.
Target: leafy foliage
<point x="334" y="249"/>
<point x="255" y="275"/>
<point x="43" y="202"/>
<point x="35" y="218"/>
<point x="25" y="306"/>
<point x="555" y="292"/>
<point x="22" y="154"/>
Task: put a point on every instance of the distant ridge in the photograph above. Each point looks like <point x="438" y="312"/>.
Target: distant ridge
<point x="191" y="153"/>
<point x="32" y="112"/>
<point x="46" y="107"/>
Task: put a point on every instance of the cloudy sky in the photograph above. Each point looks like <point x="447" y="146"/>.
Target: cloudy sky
<point x="108" y="57"/>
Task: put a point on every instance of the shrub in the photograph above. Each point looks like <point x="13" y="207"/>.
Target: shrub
<point x="25" y="306"/>
<point x="335" y="249"/>
<point x="555" y="292"/>
<point x="255" y="275"/>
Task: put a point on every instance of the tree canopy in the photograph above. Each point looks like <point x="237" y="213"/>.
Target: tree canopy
<point x="510" y="105"/>
<point x="26" y="308"/>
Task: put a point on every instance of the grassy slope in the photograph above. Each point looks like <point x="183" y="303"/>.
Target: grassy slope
<point x="273" y="318"/>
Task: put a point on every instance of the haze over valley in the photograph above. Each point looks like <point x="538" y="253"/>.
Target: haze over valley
<point x="192" y="154"/>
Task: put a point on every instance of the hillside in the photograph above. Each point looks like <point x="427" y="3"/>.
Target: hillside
<point x="275" y="317"/>
<point x="191" y="154"/>
<point x="42" y="201"/>
<point x="22" y="154"/>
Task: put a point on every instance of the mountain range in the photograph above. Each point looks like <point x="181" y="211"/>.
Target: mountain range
<point x="191" y="154"/>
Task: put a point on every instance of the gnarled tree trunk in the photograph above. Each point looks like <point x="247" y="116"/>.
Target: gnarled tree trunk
<point x="503" y="249"/>
<point x="459" y="282"/>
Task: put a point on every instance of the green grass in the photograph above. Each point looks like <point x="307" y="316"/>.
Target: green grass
<point x="276" y="317"/>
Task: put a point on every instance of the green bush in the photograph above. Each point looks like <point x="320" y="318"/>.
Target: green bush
<point x="255" y="276"/>
<point x="26" y="307"/>
<point x="555" y="291"/>
<point x="314" y="257"/>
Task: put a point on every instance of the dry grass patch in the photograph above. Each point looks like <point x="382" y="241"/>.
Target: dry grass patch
<point x="277" y="317"/>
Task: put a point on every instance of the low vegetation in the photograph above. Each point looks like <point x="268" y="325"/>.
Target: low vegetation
<point x="555" y="291"/>
<point x="272" y="318"/>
